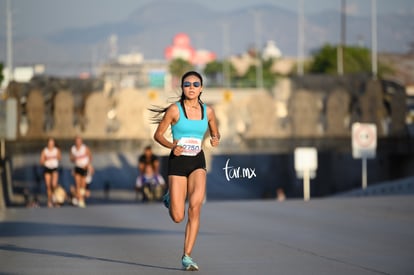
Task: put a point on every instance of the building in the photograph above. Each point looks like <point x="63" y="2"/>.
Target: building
<point x="133" y="71"/>
<point x="181" y="48"/>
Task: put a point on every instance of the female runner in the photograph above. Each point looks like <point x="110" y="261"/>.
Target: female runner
<point x="189" y="119"/>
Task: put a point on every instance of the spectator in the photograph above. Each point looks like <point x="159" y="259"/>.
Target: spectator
<point x="150" y="184"/>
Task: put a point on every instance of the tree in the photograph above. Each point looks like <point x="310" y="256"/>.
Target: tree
<point x="1" y="73"/>
<point x="215" y="71"/>
<point x="269" y="77"/>
<point x="356" y="60"/>
<point x="179" y="66"/>
<point x="324" y="60"/>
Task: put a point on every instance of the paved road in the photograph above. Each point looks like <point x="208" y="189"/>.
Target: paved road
<point x="323" y="236"/>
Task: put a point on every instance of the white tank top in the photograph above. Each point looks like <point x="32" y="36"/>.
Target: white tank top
<point x="51" y="158"/>
<point x="81" y="157"/>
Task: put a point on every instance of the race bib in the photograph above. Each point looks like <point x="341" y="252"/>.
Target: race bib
<point x="191" y="146"/>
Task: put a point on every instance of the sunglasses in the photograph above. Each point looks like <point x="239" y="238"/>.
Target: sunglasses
<point x="188" y="84"/>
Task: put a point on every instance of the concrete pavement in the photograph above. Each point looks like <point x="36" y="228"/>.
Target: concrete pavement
<point x="323" y="236"/>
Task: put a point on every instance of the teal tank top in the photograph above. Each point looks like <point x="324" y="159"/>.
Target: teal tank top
<point x="189" y="128"/>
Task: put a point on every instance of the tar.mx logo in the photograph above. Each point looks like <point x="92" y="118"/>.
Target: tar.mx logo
<point x="238" y="172"/>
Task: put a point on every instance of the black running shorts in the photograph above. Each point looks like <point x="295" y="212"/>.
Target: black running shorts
<point x="185" y="165"/>
<point x="47" y="170"/>
<point x="81" y="171"/>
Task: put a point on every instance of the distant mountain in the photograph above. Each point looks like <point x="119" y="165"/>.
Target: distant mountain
<point x="151" y="28"/>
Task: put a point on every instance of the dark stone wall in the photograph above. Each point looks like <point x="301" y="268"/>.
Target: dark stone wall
<point x="269" y="169"/>
<point x="337" y="172"/>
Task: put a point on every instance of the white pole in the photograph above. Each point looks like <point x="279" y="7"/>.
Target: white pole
<point x="301" y="35"/>
<point x="342" y="43"/>
<point x="364" y="173"/>
<point x="306" y="184"/>
<point x="259" y="70"/>
<point x="9" y="40"/>
<point x="374" y="38"/>
<point x="226" y="64"/>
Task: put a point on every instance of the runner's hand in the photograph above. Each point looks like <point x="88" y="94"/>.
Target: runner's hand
<point x="177" y="150"/>
<point x="214" y="141"/>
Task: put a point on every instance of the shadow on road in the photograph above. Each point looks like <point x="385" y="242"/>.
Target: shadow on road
<point x="21" y="229"/>
<point x="14" y="248"/>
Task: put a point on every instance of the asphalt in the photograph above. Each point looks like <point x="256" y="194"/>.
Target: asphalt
<point x="360" y="235"/>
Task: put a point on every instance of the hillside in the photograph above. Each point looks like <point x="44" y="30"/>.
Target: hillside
<point x="151" y="28"/>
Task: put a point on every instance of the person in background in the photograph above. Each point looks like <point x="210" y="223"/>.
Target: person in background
<point x="49" y="159"/>
<point x="81" y="156"/>
<point x="72" y="190"/>
<point x="88" y="180"/>
<point x="150" y="184"/>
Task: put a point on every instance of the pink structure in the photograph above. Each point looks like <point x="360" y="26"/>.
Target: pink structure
<point x="181" y="48"/>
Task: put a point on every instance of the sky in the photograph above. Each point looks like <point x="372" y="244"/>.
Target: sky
<point x="42" y="17"/>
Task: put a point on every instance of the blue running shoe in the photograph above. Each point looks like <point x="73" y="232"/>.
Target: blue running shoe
<point x="188" y="263"/>
<point x="166" y="199"/>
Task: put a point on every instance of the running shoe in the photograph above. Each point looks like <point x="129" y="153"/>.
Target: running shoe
<point x="75" y="201"/>
<point x="166" y="199"/>
<point x="81" y="204"/>
<point x="188" y="263"/>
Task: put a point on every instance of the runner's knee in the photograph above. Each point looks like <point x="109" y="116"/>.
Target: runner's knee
<point x="177" y="216"/>
<point x="194" y="211"/>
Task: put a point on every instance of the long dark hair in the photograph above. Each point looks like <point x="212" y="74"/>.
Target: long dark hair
<point x="159" y="111"/>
